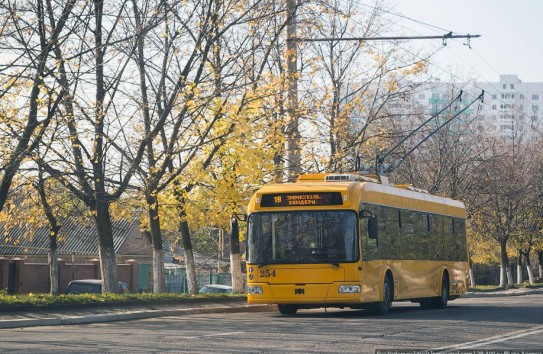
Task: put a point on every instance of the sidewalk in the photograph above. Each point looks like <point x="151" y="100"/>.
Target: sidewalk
<point x="59" y="315"/>
<point x="508" y="292"/>
<point x="27" y="317"/>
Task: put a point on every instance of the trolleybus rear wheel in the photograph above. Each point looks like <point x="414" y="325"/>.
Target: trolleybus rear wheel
<point x="438" y="302"/>
<point x="441" y="301"/>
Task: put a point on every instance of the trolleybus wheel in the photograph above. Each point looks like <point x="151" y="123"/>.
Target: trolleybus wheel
<point x="287" y="309"/>
<point x="438" y="302"/>
<point x="383" y="307"/>
<point x="441" y="301"/>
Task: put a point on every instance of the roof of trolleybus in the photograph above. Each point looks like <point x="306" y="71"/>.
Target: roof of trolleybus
<point x="354" y="192"/>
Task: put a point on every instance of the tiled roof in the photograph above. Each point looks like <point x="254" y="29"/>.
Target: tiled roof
<point x="75" y="238"/>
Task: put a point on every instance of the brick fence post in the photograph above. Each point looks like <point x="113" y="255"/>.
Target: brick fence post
<point x="3" y="273"/>
<point x="14" y="275"/>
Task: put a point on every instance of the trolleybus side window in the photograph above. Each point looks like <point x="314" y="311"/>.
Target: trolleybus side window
<point x="421" y="236"/>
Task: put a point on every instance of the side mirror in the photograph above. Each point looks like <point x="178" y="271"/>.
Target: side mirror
<point x="373" y="227"/>
<point x="373" y="224"/>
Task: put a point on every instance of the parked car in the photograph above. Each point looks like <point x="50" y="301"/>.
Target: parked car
<point x="93" y="286"/>
<point x="215" y="289"/>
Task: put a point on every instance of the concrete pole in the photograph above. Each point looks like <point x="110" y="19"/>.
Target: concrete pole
<point x="293" y="158"/>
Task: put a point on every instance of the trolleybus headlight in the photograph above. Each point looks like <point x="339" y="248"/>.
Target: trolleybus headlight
<point x="349" y="288"/>
<point x="254" y="290"/>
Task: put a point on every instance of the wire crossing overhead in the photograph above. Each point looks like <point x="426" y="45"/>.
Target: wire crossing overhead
<point x="392" y="38"/>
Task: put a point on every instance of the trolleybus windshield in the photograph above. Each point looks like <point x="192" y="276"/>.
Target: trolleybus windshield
<point x="302" y="237"/>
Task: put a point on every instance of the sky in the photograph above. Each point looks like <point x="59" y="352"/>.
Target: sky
<point x="511" y="39"/>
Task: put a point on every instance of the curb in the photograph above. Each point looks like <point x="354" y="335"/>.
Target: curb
<point x="122" y="304"/>
<point x="502" y="293"/>
<point x="133" y="315"/>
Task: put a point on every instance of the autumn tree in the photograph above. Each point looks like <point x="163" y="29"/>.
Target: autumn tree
<point x="86" y="157"/>
<point x="445" y="164"/>
<point x="349" y="88"/>
<point x="505" y="194"/>
<point x="30" y="96"/>
<point x="200" y="108"/>
<point x="529" y="235"/>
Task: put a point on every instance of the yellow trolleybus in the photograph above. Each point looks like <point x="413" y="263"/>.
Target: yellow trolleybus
<point x="346" y="240"/>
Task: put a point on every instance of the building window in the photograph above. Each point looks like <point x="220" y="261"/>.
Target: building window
<point x="535" y="107"/>
<point x="494" y="96"/>
<point x="504" y="86"/>
<point x="512" y="86"/>
<point x="493" y="106"/>
<point x="535" y="97"/>
<point x="435" y="95"/>
<point x="506" y="127"/>
<point x="422" y="96"/>
<point x="521" y="96"/>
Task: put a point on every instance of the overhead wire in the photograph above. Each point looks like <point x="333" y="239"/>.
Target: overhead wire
<point x="453" y="75"/>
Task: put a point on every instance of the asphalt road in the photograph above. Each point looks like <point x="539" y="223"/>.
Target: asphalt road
<point x="471" y="325"/>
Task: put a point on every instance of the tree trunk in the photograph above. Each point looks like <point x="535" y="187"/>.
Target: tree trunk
<point x="108" y="263"/>
<point x="519" y="267"/>
<point x="152" y="202"/>
<point x="54" y="228"/>
<point x="510" y="281"/>
<point x="540" y="259"/>
<point x="158" y="250"/>
<point x="472" y="278"/>
<point x="189" y="257"/>
<point x="235" y="258"/>
<point x="53" y="265"/>
<point x="529" y="268"/>
<point x="504" y="263"/>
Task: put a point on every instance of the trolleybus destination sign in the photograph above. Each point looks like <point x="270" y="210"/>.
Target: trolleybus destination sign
<point x="301" y="199"/>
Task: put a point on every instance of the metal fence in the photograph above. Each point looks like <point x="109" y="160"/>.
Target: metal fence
<point x="177" y="283"/>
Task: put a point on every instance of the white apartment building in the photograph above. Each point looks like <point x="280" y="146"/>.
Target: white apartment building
<point x="508" y="104"/>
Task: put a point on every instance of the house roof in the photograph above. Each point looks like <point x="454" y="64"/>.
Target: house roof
<point x="74" y="238"/>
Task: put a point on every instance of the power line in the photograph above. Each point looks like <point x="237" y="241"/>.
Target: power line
<point x="389" y="38"/>
<point x="401" y="16"/>
<point x="515" y="110"/>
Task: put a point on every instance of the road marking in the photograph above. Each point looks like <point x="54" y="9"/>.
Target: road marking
<point x="495" y="339"/>
<point x="213" y="335"/>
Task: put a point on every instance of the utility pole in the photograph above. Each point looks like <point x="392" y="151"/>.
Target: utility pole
<point x="293" y="156"/>
<point x="293" y="149"/>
